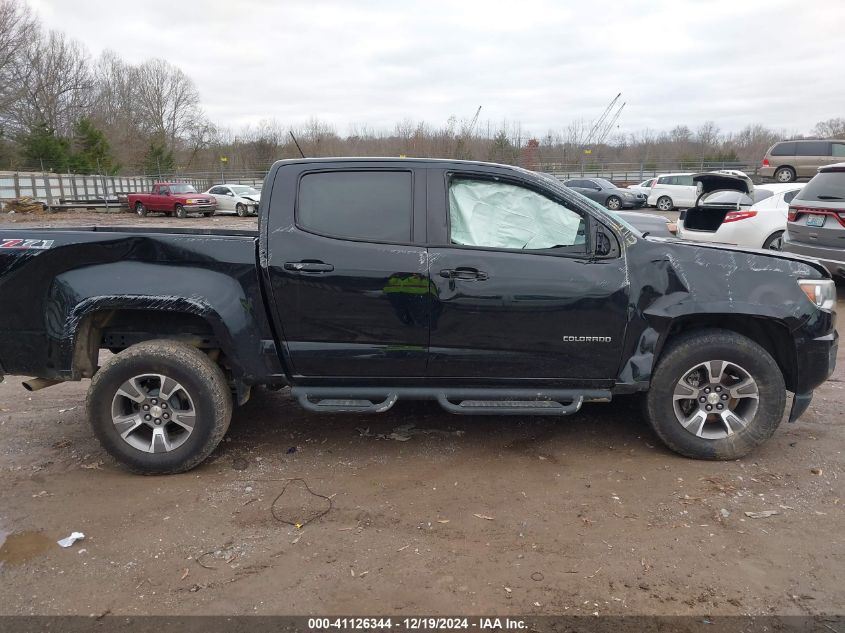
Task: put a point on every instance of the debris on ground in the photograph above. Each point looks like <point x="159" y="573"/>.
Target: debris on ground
<point x="70" y="540"/>
<point x="405" y="432"/>
<point x="24" y="204"/>
<point x="816" y="471"/>
<point x="484" y="516"/>
<point x="765" y="514"/>
<point x="303" y="511"/>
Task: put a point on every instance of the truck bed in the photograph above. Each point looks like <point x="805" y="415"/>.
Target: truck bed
<point x="136" y="229"/>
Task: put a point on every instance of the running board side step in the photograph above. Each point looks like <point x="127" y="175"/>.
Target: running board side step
<point x="469" y="401"/>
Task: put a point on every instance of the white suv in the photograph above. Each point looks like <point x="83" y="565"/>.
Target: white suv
<point x="672" y="190"/>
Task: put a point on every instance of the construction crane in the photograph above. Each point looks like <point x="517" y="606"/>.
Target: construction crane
<point x="602" y="126"/>
<point x="460" y="146"/>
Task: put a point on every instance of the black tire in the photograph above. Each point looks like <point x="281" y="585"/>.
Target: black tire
<point x="202" y="380"/>
<point x="665" y="203"/>
<point x="700" y="347"/>
<point x="774" y="242"/>
<point x="140" y="209"/>
<point x="614" y="203"/>
<point x="180" y="211"/>
<point x="240" y="210"/>
<point x="785" y="174"/>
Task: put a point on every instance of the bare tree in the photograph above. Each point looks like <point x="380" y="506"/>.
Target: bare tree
<point x="168" y="101"/>
<point x="54" y="81"/>
<point x="17" y="25"/>
<point x="832" y="128"/>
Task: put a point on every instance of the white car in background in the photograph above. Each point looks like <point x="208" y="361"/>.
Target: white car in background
<point x="240" y="199"/>
<point x="672" y="190"/>
<point x="732" y="211"/>
<point x="644" y="187"/>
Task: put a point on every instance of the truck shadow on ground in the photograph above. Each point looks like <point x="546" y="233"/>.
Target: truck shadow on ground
<point x="272" y="423"/>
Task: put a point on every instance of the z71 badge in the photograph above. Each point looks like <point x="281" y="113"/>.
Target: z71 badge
<point x="36" y="245"/>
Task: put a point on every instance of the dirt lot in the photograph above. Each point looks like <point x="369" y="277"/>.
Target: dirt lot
<point x="579" y="515"/>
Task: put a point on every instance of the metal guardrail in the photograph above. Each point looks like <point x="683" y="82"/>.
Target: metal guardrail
<point x="627" y="173"/>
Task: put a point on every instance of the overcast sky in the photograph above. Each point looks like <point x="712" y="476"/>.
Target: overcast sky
<point x="545" y="64"/>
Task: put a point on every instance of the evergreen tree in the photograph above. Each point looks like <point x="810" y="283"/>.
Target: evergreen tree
<point x="41" y="146"/>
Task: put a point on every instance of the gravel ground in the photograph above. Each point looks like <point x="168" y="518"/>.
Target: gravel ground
<point x="426" y="512"/>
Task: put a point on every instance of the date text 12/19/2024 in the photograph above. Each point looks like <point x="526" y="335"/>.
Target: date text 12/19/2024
<point x="417" y="623"/>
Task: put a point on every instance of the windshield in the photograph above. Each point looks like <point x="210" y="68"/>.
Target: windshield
<point x="182" y="189"/>
<point x="604" y="184"/>
<point x="734" y="198"/>
<point x="243" y="190"/>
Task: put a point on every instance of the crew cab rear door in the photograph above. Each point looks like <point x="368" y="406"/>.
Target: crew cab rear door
<point x="347" y="271"/>
<point x="519" y="292"/>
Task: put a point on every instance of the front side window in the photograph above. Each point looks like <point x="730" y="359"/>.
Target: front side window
<point x="373" y="206"/>
<point x="495" y="214"/>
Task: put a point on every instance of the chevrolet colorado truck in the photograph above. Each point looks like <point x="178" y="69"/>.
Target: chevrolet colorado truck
<point x="172" y="198"/>
<point x="486" y="288"/>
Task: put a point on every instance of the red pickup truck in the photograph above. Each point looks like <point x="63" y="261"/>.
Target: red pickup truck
<point x="172" y="198"/>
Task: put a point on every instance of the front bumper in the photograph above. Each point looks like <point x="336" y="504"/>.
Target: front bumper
<point x="816" y="360"/>
<point x="200" y="208"/>
<point x="633" y="204"/>
<point x="831" y="258"/>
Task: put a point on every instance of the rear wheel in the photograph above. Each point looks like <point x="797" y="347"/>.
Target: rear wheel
<point x="715" y="395"/>
<point x="140" y="209"/>
<point x="614" y="203"/>
<point x="785" y="174"/>
<point x="180" y="211"/>
<point x="664" y="203"/>
<point x="774" y="242"/>
<point x="240" y="210"/>
<point x="159" y="407"/>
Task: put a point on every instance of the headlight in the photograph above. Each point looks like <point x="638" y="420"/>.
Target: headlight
<point x="191" y="201"/>
<point x="821" y="292"/>
<point x="628" y="196"/>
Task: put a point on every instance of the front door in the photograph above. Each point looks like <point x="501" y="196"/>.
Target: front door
<point x="519" y="294"/>
<point x="350" y="287"/>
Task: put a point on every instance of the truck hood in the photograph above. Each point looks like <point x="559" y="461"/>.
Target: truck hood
<point x="252" y="197"/>
<point x="745" y="250"/>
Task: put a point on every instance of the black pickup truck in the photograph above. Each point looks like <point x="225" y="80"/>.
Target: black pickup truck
<point x="490" y="289"/>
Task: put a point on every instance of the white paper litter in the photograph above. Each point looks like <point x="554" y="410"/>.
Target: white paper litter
<point x="70" y="540"/>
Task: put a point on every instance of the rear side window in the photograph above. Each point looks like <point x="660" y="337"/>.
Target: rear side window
<point x="783" y="149"/>
<point x="838" y="149"/>
<point x="374" y="206"/>
<point x="813" y="148"/>
<point x="824" y="187"/>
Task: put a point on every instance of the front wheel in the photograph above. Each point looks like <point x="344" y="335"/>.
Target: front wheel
<point x="664" y="203"/>
<point x="180" y="211"/>
<point x="614" y="203"/>
<point x="159" y="407"/>
<point x="240" y="210"/>
<point x="774" y="242"/>
<point x="715" y="395"/>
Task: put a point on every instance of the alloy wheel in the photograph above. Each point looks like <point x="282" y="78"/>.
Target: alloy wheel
<point x="715" y="399"/>
<point x="153" y="413"/>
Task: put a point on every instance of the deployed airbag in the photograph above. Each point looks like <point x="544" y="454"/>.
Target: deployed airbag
<point x="500" y="215"/>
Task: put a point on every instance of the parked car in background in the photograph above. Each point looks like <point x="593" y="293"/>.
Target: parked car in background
<point x="240" y="199"/>
<point x="672" y="190"/>
<point x="816" y="221"/>
<point x="606" y="193"/>
<point x="644" y="187"/>
<point x="731" y="210"/>
<point x="172" y="198"/>
<point x="788" y="160"/>
<point x="648" y="223"/>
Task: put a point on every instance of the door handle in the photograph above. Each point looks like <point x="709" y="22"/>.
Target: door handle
<point x="464" y="273"/>
<point x="309" y="267"/>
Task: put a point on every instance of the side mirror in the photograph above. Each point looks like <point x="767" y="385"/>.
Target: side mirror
<point x="166" y="192"/>
<point x="230" y="194"/>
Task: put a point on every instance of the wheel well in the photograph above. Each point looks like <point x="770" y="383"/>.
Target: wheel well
<point x="116" y="330"/>
<point x="770" y="335"/>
